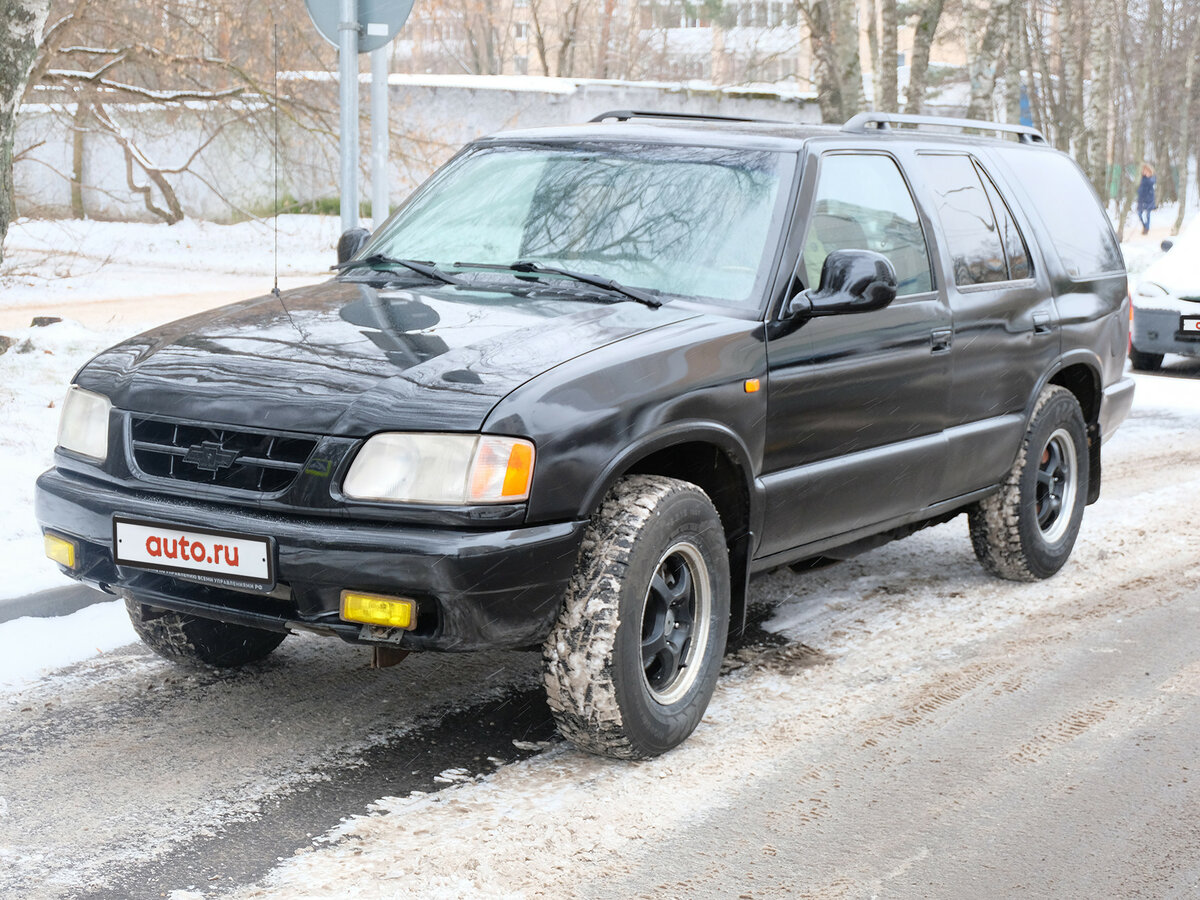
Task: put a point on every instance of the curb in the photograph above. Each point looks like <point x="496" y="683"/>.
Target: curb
<point x="60" y="601"/>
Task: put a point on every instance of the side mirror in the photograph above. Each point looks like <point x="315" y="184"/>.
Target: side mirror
<point x="1166" y="245"/>
<point x="852" y="281"/>
<point x="351" y="242"/>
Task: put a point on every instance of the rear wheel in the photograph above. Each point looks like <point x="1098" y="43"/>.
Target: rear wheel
<point x="191" y="639"/>
<point x="634" y="657"/>
<point x="1145" y="362"/>
<point x="1026" y="531"/>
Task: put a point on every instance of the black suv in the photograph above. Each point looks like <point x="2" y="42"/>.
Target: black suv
<point x="588" y="380"/>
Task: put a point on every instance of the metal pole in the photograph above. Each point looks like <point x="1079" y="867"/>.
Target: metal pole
<point x="379" y="136"/>
<point x="348" y="91"/>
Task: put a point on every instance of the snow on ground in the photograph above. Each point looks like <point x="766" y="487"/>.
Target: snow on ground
<point x="30" y="647"/>
<point x="80" y="261"/>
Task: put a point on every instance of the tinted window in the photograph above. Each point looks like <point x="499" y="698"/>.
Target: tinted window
<point x="1068" y="206"/>
<point x="1010" y="236"/>
<point x="976" y="249"/>
<point x="862" y="203"/>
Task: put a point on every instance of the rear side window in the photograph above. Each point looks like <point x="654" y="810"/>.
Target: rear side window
<point x="968" y="222"/>
<point x="1010" y="236"/>
<point x="863" y="203"/>
<point x="1068" y="206"/>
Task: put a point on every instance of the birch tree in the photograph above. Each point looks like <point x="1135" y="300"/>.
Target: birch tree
<point x="923" y="34"/>
<point x="21" y="24"/>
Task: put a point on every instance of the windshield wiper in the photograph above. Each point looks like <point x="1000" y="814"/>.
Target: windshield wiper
<point x="525" y="266"/>
<point x="429" y="270"/>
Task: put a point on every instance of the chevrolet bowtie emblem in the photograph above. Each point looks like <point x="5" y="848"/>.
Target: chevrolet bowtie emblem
<point x="210" y="456"/>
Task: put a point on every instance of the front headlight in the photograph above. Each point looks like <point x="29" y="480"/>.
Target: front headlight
<point x="441" y="468"/>
<point x="83" y="427"/>
<point x="1150" y="289"/>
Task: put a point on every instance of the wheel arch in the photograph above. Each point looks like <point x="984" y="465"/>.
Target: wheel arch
<point x="713" y="458"/>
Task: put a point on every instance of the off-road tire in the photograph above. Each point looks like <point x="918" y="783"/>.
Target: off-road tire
<point x="1145" y="362"/>
<point x="597" y="683"/>
<point x="193" y="640"/>
<point x="1005" y="531"/>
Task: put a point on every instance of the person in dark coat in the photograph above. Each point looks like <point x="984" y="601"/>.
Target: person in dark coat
<point x="1145" y="197"/>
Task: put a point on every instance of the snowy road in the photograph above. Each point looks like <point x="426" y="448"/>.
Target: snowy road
<point x="923" y="731"/>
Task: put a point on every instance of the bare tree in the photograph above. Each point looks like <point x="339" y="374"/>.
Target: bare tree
<point x="834" y="39"/>
<point x="184" y="58"/>
<point x="21" y="23"/>
<point x="986" y="30"/>
<point x="923" y="35"/>
<point x="889" y="55"/>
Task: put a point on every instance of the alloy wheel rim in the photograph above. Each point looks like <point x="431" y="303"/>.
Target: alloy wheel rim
<point x="1057" y="484"/>
<point x="676" y="616"/>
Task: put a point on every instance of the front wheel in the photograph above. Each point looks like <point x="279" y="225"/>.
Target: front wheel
<point x="191" y="639"/>
<point x="634" y="657"/>
<point x="1026" y="531"/>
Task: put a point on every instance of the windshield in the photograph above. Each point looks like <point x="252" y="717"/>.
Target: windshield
<point x="691" y="221"/>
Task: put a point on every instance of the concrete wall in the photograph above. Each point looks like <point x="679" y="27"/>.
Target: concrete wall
<point x="232" y="176"/>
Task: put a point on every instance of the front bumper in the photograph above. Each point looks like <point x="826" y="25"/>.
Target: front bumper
<point x="1159" y="331"/>
<point x="475" y="589"/>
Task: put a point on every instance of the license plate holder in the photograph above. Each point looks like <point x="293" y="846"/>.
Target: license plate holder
<point x="1190" y="325"/>
<point x="225" y="557"/>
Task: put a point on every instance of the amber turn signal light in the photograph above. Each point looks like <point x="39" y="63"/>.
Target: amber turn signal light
<point x="60" y="550"/>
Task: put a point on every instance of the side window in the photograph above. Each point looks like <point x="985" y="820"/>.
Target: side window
<point x="1014" y="243"/>
<point x="1070" y="209"/>
<point x="862" y="203"/>
<point x="974" y="241"/>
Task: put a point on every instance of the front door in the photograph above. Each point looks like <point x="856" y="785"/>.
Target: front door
<point x="857" y="403"/>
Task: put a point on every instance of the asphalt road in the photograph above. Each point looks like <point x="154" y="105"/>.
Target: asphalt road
<point x="927" y="732"/>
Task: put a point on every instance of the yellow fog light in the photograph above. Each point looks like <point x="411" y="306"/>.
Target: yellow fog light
<point x="374" y="609"/>
<point x="60" y="550"/>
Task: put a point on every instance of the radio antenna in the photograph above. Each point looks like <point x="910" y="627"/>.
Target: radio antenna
<point x="275" y="171"/>
<point x="275" y="156"/>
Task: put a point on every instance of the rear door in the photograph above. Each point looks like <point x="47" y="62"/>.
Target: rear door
<point x="857" y="403"/>
<point x="1005" y="332"/>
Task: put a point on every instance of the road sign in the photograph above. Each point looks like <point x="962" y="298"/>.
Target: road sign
<point x="378" y="20"/>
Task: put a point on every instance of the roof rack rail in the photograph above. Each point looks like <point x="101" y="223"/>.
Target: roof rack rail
<point x="624" y="115"/>
<point x="860" y="123"/>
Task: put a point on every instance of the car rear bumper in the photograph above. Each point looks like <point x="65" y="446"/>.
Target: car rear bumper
<point x="1115" y="406"/>
<point x="474" y="589"/>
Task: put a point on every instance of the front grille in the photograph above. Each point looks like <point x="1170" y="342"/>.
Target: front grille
<point x="210" y="454"/>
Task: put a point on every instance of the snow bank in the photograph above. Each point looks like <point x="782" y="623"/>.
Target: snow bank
<point x="31" y="647"/>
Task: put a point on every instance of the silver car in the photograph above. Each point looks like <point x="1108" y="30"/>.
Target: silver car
<point x="1166" y="305"/>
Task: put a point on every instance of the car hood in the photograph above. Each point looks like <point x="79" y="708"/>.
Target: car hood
<point x="1177" y="272"/>
<point x="351" y="358"/>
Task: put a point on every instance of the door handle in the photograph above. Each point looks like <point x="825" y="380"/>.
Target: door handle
<point x="940" y="340"/>
<point x="1041" y="323"/>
